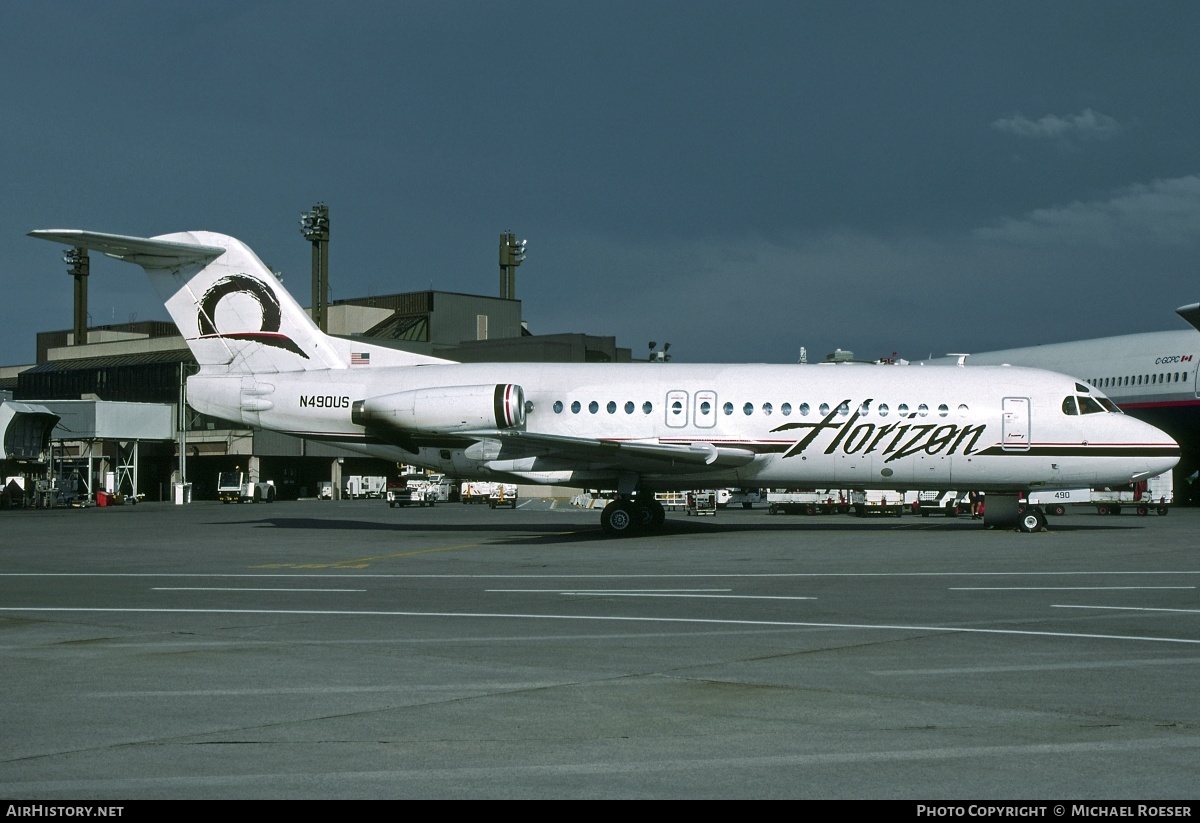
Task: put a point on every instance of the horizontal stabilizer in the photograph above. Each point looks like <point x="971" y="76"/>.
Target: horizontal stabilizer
<point x="145" y="252"/>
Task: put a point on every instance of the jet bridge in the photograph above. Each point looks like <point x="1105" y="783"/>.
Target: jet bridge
<point x="95" y="444"/>
<point x="25" y="430"/>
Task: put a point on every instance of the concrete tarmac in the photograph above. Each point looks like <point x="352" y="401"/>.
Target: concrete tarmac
<point x="348" y="650"/>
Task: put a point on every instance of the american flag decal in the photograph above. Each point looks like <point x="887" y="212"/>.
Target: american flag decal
<point x="360" y="358"/>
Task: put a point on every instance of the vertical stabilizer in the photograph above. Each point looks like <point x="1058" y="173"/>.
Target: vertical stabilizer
<point x="231" y="310"/>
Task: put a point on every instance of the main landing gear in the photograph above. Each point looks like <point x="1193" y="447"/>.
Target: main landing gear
<point x="627" y="516"/>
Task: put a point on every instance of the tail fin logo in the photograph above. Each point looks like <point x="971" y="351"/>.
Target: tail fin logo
<point x="267" y="334"/>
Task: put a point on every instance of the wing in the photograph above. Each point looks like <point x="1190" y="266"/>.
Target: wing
<point x="631" y="454"/>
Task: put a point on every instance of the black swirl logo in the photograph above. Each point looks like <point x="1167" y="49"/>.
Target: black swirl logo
<point x="267" y="334"/>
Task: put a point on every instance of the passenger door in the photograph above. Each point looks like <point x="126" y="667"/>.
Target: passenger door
<point x="1015" y="428"/>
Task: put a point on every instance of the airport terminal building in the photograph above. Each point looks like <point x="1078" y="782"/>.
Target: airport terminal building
<point x="104" y="437"/>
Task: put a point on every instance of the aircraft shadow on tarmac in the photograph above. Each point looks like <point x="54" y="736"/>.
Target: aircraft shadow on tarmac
<point x="570" y="531"/>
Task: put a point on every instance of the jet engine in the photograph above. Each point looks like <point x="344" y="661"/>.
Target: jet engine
<point x="445" y="409"/>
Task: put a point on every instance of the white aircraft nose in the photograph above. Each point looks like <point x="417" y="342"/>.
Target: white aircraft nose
<point x="1157" y="448"/>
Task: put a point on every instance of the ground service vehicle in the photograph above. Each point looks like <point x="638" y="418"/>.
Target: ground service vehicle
<point x="1155" y="494"/>
<point x="746" y="498"/>
<point x="807" y="501"/>
<point x="232" y="487"/>
<point x="877" y="501"/>
<point x="701" y="502"/>
<point x="364" y="486"/>
<point x="503" y="494"/>
<point x="950" y="503"/>
<point x="408" y="493"/>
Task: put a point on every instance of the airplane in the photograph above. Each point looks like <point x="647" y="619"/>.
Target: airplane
<point x="1153" y="376"/>
<point x="634" y="428"/>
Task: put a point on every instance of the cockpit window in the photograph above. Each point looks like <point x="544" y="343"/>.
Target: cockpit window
<point x="1082" y="389"/>
<point x="1089" y="406"/>
<point x="1069" y="406"/>
<point x="1110" y="405"/>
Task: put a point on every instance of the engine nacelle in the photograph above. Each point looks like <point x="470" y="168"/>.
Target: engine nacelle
<point x="445" y="409"/>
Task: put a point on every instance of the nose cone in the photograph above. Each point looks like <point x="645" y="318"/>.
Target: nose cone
<point x="1155" y="451"/>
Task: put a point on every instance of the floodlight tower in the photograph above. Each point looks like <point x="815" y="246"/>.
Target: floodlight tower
<point x="314" y="225"/>
<point x="512" y="254"/>
<point x="78" y="259"/>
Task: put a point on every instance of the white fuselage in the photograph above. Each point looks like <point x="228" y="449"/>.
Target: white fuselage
<point x="851" y="426"/>
<point x="1150" y="370"/>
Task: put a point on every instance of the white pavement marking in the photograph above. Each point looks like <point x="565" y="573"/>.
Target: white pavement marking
<point x="611" y="618"/>
<point x="216" y="589"/>
<point x="1044" y="667"/>
<point x="1127" y="608"/>
<point x="301" y="781"/>
<point x="1061" y="588"/>
<point x="705" y="576"/>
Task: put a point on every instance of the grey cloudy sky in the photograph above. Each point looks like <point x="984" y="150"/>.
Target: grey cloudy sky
<point x="738" y="178"/>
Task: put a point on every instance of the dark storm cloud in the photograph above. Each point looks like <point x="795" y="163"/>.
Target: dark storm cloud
<point x="742" y="179"/>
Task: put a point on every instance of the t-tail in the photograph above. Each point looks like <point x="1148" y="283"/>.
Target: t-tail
<point x="232" y="311"/>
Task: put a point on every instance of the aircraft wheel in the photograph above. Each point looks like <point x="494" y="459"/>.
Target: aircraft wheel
<point x="619" y="519"/>
<point x="658" y="514"/>
<point x="1032" y="521"/>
